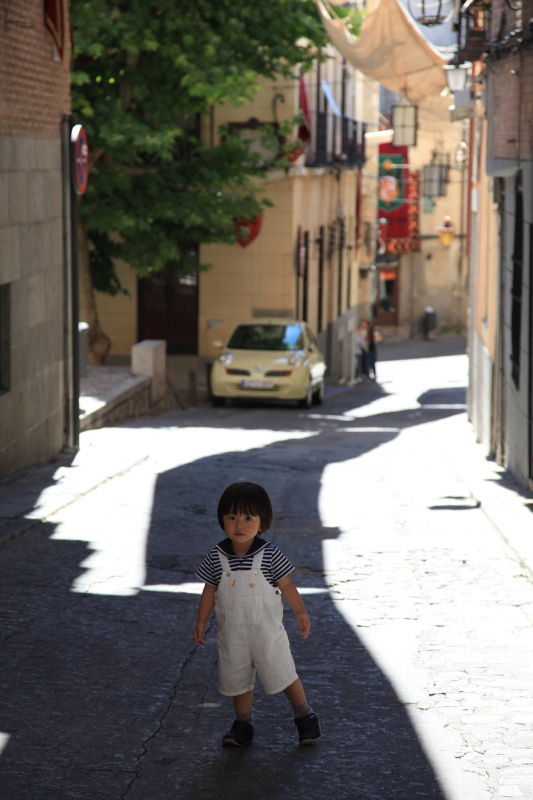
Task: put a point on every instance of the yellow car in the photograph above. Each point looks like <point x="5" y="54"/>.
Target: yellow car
<point x="269" y="359"/>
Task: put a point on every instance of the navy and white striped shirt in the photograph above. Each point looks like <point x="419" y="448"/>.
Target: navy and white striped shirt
<point x="274" y="565"/>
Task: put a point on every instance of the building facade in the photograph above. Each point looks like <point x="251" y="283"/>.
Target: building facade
<point x="501" y="242"/>
<point x="34" y="98"/>
<point x="303" y="258"/>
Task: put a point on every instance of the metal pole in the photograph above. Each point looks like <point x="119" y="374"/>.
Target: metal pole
<point x="67" y="290"/>
<point x="74" y="301"/>
<point x="192" y="387"/>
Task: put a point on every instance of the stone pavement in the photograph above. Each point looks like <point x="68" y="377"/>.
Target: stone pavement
<point x="415" y="563"/>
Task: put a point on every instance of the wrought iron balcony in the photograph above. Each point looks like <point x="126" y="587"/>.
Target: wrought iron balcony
<point x="336" y="141"/>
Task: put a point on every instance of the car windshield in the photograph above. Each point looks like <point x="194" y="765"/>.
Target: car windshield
<point x="267" y="337"/>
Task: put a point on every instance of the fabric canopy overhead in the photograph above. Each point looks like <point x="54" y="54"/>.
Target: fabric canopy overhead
<point x="392" y="51"/>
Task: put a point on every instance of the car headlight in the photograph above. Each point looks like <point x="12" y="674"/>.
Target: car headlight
<point x="225" y="358"/>
<point x="296" y="360"/>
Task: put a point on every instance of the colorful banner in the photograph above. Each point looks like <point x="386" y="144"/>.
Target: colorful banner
<point x="397" y="201"/>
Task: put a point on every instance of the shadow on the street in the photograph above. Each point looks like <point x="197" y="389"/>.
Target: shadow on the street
<point x="108" y="697"/>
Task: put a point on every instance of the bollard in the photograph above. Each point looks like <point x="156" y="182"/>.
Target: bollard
<point x="208" y="366"/>
<point x="192" y="387"/>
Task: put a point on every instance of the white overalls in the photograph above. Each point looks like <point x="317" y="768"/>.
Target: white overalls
<point x="251" y="636"/>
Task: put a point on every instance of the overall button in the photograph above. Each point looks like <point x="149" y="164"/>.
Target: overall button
<point x="255" y="572"/>
<point x="228" y="574"/>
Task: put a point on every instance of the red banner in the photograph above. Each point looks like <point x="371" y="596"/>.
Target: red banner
<point x="398" y="201"/>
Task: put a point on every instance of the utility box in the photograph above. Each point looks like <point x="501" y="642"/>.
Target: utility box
<point x="149" y="358"/>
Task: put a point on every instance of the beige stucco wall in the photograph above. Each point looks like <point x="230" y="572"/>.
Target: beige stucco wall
<point x="118" y="314"/>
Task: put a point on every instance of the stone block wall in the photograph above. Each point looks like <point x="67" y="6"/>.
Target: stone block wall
<point x="34" y="97"/>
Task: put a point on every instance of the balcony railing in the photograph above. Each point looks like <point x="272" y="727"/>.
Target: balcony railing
<point x="336" y="140"/>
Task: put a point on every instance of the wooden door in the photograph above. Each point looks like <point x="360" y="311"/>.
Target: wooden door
<point x="168" y="309"/>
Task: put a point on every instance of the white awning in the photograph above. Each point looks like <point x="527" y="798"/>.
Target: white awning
<point x="392" y="51"/>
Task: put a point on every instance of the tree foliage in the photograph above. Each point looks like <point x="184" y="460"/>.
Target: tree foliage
<point x="143" y="73"/>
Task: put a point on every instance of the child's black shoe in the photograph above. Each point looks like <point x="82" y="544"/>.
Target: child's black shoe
<point x="241" y="733"/>
<point x="308" y="728"/>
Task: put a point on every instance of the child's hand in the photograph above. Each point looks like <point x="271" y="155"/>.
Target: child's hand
<point x="303" y="624"/>
<point x="198" y="632"/>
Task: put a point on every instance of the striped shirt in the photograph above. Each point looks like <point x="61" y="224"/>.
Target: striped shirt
<point x="274" y="565"/>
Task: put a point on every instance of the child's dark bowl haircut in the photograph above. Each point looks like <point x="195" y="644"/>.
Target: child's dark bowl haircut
<point x="246" y="498"/>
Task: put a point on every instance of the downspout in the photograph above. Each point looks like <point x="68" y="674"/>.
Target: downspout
<point x="69" y="436"/>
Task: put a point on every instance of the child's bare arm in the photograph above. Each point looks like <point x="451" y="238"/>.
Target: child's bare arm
<point x="294" y="599"/>
<point x="207" y="602"/>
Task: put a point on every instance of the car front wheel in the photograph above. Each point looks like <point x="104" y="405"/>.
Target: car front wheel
<point x="318" y="394"/>
<point x="307" y="400"/>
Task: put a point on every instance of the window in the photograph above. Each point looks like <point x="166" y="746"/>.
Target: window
<point x="5" y="339"/>
<point x="267" y="337"/>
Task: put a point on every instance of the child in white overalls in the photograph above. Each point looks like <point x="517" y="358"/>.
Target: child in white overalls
<point x="245" y="578"/>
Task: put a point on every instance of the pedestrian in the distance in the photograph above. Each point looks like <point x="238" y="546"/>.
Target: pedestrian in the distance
<point x="360" y="343"/>
<point x="372" y="338"/>
<point x="245" y="578"/>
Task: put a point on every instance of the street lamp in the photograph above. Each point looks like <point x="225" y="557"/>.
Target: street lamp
<point x="446" y="232"/>
<point x="456" y="76"/>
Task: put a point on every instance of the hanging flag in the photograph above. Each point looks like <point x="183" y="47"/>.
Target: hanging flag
<point x="54" y="19"/>
<point x="329" y="97"/>
<point x="250" y="228"/>
<point x="304" y="129"/>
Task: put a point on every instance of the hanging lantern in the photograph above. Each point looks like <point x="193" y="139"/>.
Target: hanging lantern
<point x="456" y="76"/>
<point x="431" y="12"/>
<point x="434" y="180"/>
<point x="404" y="123"/>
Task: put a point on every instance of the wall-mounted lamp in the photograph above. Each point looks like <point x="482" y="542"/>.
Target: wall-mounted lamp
<point x="446" y="232"/>
<point x="456" y="76"/>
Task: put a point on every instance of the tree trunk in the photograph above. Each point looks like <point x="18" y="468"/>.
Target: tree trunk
<point x="99" y="343"/>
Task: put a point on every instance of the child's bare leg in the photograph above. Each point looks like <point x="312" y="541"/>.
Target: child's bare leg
<point x="296" y="696"/>
<point x="242" y="703"/>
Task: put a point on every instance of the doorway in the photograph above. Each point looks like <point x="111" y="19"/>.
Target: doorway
<point x="168" y="309"/>
<point x="386" y="293"/>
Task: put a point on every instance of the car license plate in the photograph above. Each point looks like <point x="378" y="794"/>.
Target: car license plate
<point x="257" y="384"/>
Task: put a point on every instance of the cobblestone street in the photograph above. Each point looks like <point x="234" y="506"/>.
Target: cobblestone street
<point x="412" y="552"/>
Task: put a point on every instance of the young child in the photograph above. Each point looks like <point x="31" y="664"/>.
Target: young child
<point x="244" y="580"/>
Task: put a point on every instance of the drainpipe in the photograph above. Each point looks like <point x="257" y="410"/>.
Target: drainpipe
<point x="71" y="283"/>
<point x="69" y="443"/>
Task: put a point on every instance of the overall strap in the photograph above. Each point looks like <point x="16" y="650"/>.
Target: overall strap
<point x="224" y="561"/>
<point x="258" y="559"/>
